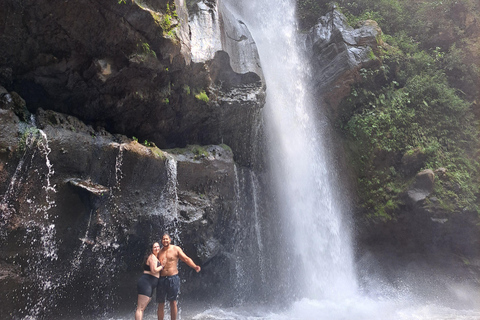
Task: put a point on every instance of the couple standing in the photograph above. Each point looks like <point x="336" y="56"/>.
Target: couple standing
<point x="161" y="272"/>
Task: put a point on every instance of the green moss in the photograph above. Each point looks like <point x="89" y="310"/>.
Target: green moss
<point x="159" y="153"/>
<point x="198" y="151"/>
<point x="371" y="55"/>
<point x="202" y="96"/>
<point x="28" y="133"/>
<point x="146" y="50"/>
<point x="186" y="89"/>
<point x="408" y="109"/>
<point x="225" y="147"/>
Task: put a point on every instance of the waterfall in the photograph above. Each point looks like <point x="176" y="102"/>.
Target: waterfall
<point x="13" y="189"/>
<point x="248" y="249"/>
<point x="314" y="218"/>
<point x="258" y="226"/>
<point x="170" y="199"/>
<point x="48" y="248"/>
<point x="118" y="167"/>
<point x="40" y="233"/>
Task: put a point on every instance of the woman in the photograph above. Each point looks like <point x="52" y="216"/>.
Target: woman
<point x="148" y="281"/>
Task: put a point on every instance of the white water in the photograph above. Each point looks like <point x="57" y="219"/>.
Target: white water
<point x="316" y="222"/>
<point x="321" y="247"/>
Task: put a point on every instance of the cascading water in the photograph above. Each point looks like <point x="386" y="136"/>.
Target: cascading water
<point x="313" y="215"/>
<point x="40" y="233"/>
<point x="170" y="198"/>
<point x="249" y="247"/>
<point x="319" y="252"/>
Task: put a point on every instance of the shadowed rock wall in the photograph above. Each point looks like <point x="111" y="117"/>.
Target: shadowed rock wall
<point x="90" y="90"/>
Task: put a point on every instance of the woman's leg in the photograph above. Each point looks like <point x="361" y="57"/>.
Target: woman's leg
<point x="141" y="305"/>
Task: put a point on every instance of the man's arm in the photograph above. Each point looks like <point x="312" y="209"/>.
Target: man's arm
<point x="187" y="260"/>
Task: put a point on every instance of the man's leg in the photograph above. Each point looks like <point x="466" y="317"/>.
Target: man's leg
<point x="173" y="310"/>
<point x="161" y="310"/>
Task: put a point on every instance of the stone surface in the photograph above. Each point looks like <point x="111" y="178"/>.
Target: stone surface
<point x="423" y="185"/>
<point x="85" y="186"/>
<point x="118" y="69"/>
<point x="107" y="199"/>
<point x="83" y="200"/>
<point x="338" y="52"/>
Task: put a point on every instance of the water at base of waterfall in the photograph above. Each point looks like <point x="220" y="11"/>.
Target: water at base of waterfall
<point x="351" y="309"/>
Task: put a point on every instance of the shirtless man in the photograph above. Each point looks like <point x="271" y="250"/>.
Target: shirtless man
<point x="169" y="281"/>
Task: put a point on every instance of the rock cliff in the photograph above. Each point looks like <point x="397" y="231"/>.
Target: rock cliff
<point x="113" y="132"/>
<point x="121" y="120"/>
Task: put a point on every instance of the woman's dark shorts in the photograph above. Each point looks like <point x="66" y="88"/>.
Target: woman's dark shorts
<point x="168" y="287"/>
<point x="146" y="284"/>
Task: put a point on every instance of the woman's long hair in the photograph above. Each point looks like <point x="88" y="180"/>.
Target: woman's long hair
<point x="147" y="254"/>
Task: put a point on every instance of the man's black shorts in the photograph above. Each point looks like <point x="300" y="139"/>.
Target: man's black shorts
<point x="168" y="287"/>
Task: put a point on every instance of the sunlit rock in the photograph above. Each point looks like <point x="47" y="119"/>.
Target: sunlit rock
<point x="422" y="186"/>
<point x="338" y="52"/>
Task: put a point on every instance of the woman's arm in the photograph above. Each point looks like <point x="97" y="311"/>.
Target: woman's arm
<point x="152" y="263"/>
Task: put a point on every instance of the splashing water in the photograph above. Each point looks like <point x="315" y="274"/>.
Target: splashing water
<point x="170" y="195"/>
<point x="14" y="186"/>
<point x="118" y="167"/>
<point x="313" y="215"/>
<point x="247" y="237"/>
<point x="40" y="233"/>
<point x="315" y="218"/>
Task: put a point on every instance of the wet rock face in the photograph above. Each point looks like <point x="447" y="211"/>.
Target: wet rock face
<point x="423" y="185"/>
<point x="120" y="69"/>
<point x="81" y="198"/>
<point x="86" y="204"/>
<point x="338" y="52"/>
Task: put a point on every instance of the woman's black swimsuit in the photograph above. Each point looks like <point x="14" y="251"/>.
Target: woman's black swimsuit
<point x="147" y="283"/>
<point x="146" y="267"/>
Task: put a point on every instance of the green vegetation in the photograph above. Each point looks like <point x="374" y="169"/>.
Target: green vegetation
<point x="28" y="133"/>
<point x="226" y="147"/>
<point x="169" y="21"/>
<point x="143" y="53"/>
<point x="308" y="12"/>
<point x="416" y="111"/>
<point x="202" y="96"/>
<point x="156" y="151"/>
<point x="146" y="50"/>
<point x="198" y="152"/>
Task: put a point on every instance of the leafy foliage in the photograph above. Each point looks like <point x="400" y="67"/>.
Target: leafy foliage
<point x="202" y="96"/>
<point x="416" y="114"/>
<point x="415" y="111"/>
<point x="308" y="12"/>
